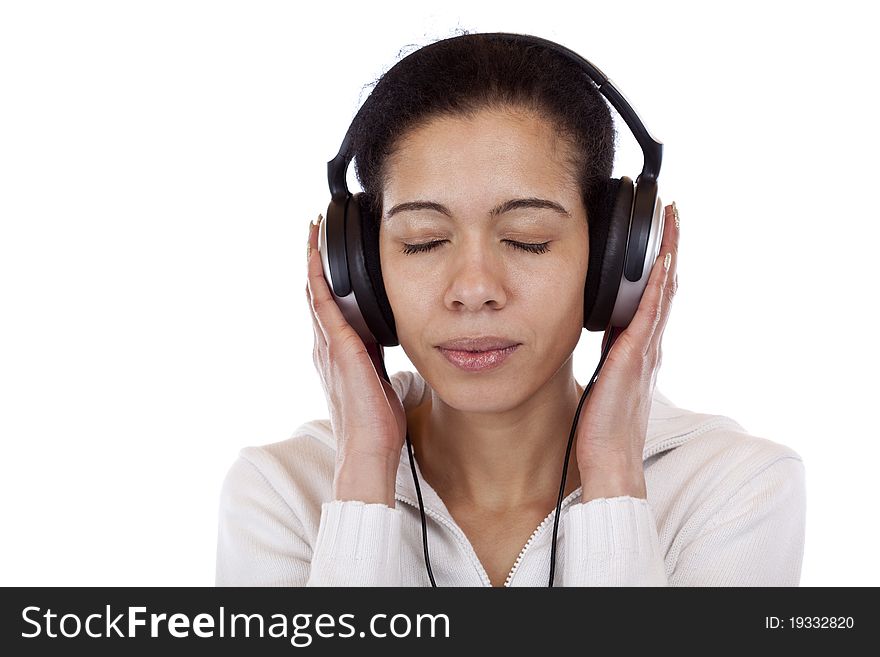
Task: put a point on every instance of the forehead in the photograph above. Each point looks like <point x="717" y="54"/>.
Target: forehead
<point x="494" y="152"/>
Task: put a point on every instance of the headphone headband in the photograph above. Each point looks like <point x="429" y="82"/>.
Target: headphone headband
<point x="652" y="150"/>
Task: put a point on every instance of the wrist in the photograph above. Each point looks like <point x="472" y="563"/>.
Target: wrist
<point x="613" y="481"/>
<point x="366" y="479"/>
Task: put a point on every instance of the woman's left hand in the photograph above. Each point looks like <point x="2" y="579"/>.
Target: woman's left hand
<point x="614" y="419"/>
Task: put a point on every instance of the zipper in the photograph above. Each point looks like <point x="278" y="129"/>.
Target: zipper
<point x="667" y="444"/>
<point x="469" y="548"/>
<point x="535" y="533"/>
<point x="462" y="539"/>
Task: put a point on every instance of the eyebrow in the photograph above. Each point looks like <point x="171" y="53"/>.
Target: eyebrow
<point x="507" y="206"/>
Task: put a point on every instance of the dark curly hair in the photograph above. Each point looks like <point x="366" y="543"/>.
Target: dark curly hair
<point x="463" y="75"/>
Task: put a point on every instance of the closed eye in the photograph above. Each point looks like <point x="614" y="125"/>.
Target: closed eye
<point x="428" y="246"/>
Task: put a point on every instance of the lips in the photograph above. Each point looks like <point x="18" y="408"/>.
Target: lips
<point x="477" y="353"/>
<point x="478" y="343"/>
<point x="477" y="361"/>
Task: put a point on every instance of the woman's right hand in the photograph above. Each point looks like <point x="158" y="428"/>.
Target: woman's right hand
<point x="366" y="414"/>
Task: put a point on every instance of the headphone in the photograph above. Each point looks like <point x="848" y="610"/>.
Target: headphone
<point x="629" y="241"/>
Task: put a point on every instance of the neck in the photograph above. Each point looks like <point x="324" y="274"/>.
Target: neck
<point x="504" y="461"/>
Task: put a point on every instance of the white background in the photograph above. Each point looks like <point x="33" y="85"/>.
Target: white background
<point x="159" y="166"/>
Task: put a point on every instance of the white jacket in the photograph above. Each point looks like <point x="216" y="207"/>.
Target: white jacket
<point x="723" y="508"/>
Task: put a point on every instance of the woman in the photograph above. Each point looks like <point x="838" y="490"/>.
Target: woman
<point x="489" y="166"/>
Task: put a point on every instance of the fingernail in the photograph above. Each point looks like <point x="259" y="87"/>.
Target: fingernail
<point x="667" y="260"/>
<point x="320" y="219"/>
<point x="309" y="247"/>
<point x="675" y="214"/>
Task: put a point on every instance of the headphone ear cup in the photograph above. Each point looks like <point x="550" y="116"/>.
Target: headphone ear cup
<point x="609" y="235"/>
<point x="366" y="272"/>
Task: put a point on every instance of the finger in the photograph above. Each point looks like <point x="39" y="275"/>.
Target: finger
<point x="670" y="282"/>
<point x="320" y="341"/>
<point x="328" y="315"/>
<point x="647" y="315"/>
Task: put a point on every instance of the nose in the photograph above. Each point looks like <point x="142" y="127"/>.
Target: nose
<point x="477" y="278"/>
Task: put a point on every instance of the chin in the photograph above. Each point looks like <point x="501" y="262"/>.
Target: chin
<point x="500" y="398"/>
<point x="491" y="391"/>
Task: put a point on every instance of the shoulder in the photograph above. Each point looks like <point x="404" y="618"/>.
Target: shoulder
<point x="302" y="467"/>
<point x="707" y="440"/>
<point x="723" y="449"/>
<point x="731" y="467"/>
<point x="295" y="474"/>
<point x="730" y="507"/>
<point x="710" y="466"/>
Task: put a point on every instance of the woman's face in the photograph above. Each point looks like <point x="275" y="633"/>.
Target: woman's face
<point x="475" y="282"/>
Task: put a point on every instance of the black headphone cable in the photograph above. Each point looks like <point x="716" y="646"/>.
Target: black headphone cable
<point x="412" y="466"/>
<point x="614" y="333"/>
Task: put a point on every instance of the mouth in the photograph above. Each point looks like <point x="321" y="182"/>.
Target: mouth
<point x="478" y="361"/>
<point x="480" y="343"/>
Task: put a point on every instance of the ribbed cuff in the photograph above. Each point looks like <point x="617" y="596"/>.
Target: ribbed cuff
<point x="612" y="542"/>
<point x="358" y="544"/>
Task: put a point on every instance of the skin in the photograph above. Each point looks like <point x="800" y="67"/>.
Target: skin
<point x="490" y="443"/>
<point x="493" y="442"/>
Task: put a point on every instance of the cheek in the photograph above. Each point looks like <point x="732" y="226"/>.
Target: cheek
<point x="557" y="313"/>
<point x="555" y="304"/>
<point x="559" y="285"/>
<point x="412" y="294"/>
<point x="406" y="295"/>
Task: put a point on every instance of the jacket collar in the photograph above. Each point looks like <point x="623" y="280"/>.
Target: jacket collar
<point x="668" y="427"/>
